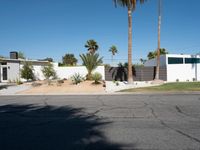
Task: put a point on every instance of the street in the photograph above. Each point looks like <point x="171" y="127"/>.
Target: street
<point x="113" y="122"/>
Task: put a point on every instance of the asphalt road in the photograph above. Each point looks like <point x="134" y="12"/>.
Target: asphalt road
<point x="110" y="122"/>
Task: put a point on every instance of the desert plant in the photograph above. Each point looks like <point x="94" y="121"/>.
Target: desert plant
<point x="77" y="78"/>
<point x="91" y="62"/>
<point x="97" y="77"/>
<point x="27" y="71"/>
<point x="49" y="72"/>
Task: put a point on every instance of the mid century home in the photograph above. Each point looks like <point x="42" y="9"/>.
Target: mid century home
<point x="179" y="67"/>
<point x="10" y="67"/>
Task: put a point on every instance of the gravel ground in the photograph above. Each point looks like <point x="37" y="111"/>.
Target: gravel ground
<point x="113" y="87"/>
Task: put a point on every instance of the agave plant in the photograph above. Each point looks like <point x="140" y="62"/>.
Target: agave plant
<point x="77" y="78"/>
<point x="91" y="62"/>
<point x="97" y="77"/>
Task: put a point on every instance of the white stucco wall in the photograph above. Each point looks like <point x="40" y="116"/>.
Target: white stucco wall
<point x="68" y="72"/>
<point x="13" y="71"/>
<point x="65" y="72"/>
<point x="182" y="72"/>
<point x="37" y="72"/>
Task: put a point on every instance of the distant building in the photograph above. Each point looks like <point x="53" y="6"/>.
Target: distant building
<point x="179" y="67"/>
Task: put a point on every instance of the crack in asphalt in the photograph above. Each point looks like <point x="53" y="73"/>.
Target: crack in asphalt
<point x="174" y="129"/>
<point x="179" y="110"/>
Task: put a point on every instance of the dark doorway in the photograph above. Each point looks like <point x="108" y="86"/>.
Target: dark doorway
<point x="5" y="73"/>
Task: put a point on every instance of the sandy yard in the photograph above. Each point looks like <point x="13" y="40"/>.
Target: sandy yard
<point x="66" y="87"/>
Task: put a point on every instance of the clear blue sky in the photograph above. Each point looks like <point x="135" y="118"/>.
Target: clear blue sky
<point x="51" y="28"/>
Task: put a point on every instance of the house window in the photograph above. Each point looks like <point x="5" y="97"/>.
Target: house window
<point x="192" y="60"/>
<point x="175" y="60"/>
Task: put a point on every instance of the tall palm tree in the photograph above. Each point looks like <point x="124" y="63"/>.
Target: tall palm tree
<point x="113" y="50"/>
<point x="158" y="49"/>
<point x="131" y="5"/>
<point x="92" y="46"/>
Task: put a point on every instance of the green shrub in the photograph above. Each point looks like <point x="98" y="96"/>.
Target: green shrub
<point x="27" y="71"/>
<point x="48" y="71"/>
<point x="97" y="77"/>
<point x="77" y="78"/>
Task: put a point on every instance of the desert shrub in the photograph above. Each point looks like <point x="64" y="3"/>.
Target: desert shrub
<point x="27" y="71"/>
<point x="49" y="72"/>
<point x="97" y="77"/>
<point x="77" y="78"/>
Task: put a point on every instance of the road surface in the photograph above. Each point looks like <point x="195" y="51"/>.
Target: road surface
<point x="113" y="122"/>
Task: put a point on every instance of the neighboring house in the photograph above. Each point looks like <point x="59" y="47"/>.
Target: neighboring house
<point x="179" y="67"/>
<point x="10" y="68"/>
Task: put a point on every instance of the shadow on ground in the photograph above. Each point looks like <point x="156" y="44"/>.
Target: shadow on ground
<point x="29" y="127"/>
<point x="4" y="87"/>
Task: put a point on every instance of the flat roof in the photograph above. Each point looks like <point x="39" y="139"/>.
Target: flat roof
<point x="21" y="60"/>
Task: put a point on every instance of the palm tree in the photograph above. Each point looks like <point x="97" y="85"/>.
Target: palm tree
<point x="92" y="46"/>
<point x="91" y="62"/>
<point x="131" y="5"/>
<point x="113" y="50"/>
<point x="158" y="49"/>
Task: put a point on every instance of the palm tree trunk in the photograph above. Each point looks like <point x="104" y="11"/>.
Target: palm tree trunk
<point x="158" y="50"/>
<point x="130" y="74"/>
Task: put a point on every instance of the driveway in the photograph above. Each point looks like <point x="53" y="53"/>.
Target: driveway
<point x="113" y="122"/>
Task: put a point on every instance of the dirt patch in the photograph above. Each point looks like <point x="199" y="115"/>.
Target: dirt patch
<point x="66" y="87"/>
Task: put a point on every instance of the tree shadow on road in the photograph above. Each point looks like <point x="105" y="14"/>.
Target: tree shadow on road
<point x="30" y="127"/>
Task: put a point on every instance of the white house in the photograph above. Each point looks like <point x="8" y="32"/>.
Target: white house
<point x="179" y="67"/>
<point x="10" y="69"/>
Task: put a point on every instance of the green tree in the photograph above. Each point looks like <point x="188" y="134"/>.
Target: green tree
<point x="48" y="59"/>
<point x="21" y="55"/>
<point x="27" y="71"/>
<point x="91" y="62"/>
<point x="113" y="50"/>
<point x="48" y="71"/>
<point x="69" y="59"/>
<point x="153" y="54"/>
<point x="130" y="5"/>
<point x="92" y="46"/>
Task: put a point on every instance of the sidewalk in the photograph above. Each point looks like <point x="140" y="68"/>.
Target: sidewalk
<point x="8" y="89"/>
